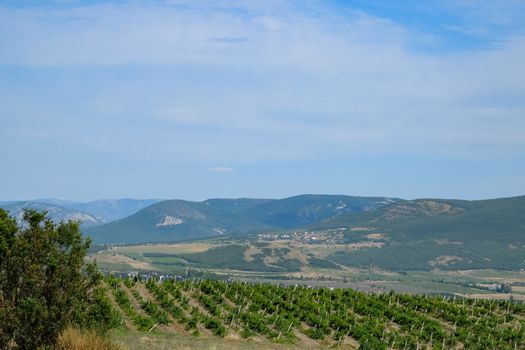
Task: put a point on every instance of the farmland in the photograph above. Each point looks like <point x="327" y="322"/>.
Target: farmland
<point x="296" y="263"/>
<point x="272" y="316"/>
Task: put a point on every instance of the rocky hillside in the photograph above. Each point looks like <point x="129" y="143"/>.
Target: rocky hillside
<point x="55" y="212"/>
<point x="90" y="214"/>
<point x="105" y="210"/>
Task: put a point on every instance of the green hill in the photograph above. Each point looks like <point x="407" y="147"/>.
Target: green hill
<point x="177" y="220"/>
<point x="501" y="220"/>
<point x="305" y="209"/>
<point x="435" y="233"/>
<point x="172" y="220"/>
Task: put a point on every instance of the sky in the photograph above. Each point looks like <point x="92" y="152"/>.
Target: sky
<point x="227" y="98"/>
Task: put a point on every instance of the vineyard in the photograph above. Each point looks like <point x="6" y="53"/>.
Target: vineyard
<point x="317" y="317"/>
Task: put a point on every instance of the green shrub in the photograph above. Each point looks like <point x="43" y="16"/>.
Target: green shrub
<point x="45" y="283"/>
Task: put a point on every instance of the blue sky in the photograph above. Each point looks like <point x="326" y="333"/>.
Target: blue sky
<point x="200" y="99"/>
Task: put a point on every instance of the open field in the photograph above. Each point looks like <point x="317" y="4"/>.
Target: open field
<point x="179" y="248"/>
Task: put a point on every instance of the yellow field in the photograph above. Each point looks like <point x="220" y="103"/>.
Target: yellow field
<point x="494" y="296"/>
<point x="179" y="248"/>
<point x="518" y="289"/>
<point x="122" y="261"/>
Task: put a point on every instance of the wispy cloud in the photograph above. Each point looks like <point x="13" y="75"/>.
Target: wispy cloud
<point x="230" y="40"/>
<point x="220" y="169"/>
<point x="233" y="82"/>
<point x="313" y="80"/>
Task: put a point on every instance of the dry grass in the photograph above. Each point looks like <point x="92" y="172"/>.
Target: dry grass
<point x="250" y="251"/>
<point x="75" y="339"/>
<point x="116" y="258"/>
<point x="177" y="248"/>
<point x="131" y="340"/>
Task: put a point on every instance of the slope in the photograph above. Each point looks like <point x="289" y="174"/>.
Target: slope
<point x="176" y="220"/>
<point x="435" y="233"/>
<point x="500" y="220"/>
<point x="105" y="210"/>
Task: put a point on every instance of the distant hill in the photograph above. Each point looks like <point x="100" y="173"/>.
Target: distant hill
<point x="305" y="209"/>
<point x="437" y="233"/>
<point x="90" y="214"/>
<point x="166" y="221"/>
<point x="55" y="212"/>
<point x="177" y="220"/>
<point x="105" y="210"/>
<point x="500" y="220"/>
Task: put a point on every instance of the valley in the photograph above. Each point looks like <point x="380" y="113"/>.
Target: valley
<point x="367" y="243"/>
<point x="282" y="262"/>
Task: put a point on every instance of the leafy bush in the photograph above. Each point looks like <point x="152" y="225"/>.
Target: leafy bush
<point x="45" y="283"/>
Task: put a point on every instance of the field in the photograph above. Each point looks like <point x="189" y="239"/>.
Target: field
<point x="210" y="314"/>
<point x="293" y="262"/>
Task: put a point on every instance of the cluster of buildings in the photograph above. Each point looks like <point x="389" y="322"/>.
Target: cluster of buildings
<point x="332" y="236"/>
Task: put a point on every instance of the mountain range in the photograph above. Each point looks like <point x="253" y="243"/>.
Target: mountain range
<point x="89" y="214"/>
<point x="177" y="220"/>
<point x="389" y="232"/>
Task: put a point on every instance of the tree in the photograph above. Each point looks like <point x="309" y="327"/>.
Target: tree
<point x="45" y="284"/>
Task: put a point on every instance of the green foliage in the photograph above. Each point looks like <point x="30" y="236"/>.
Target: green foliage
<point x="322" y="263"/>
<point x="375" y="321"/>
<point x="141" y="322"/>
<point x="231" y="257"/>
<point x="314" y="333"/>
<point x="423" y="255"/>
<point x="45" y="284"/>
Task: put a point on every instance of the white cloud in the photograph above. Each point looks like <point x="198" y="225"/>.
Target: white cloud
<point x="252" y="81"/>
<point x="221" y="169"/>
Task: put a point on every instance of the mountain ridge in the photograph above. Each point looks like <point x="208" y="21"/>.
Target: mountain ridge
<point x="212" y="217"/>
<point x="460" y="234"/>
<point x="90" y="214"/>
<point x="453" y="216"/>
<point x="55" y="212"/>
